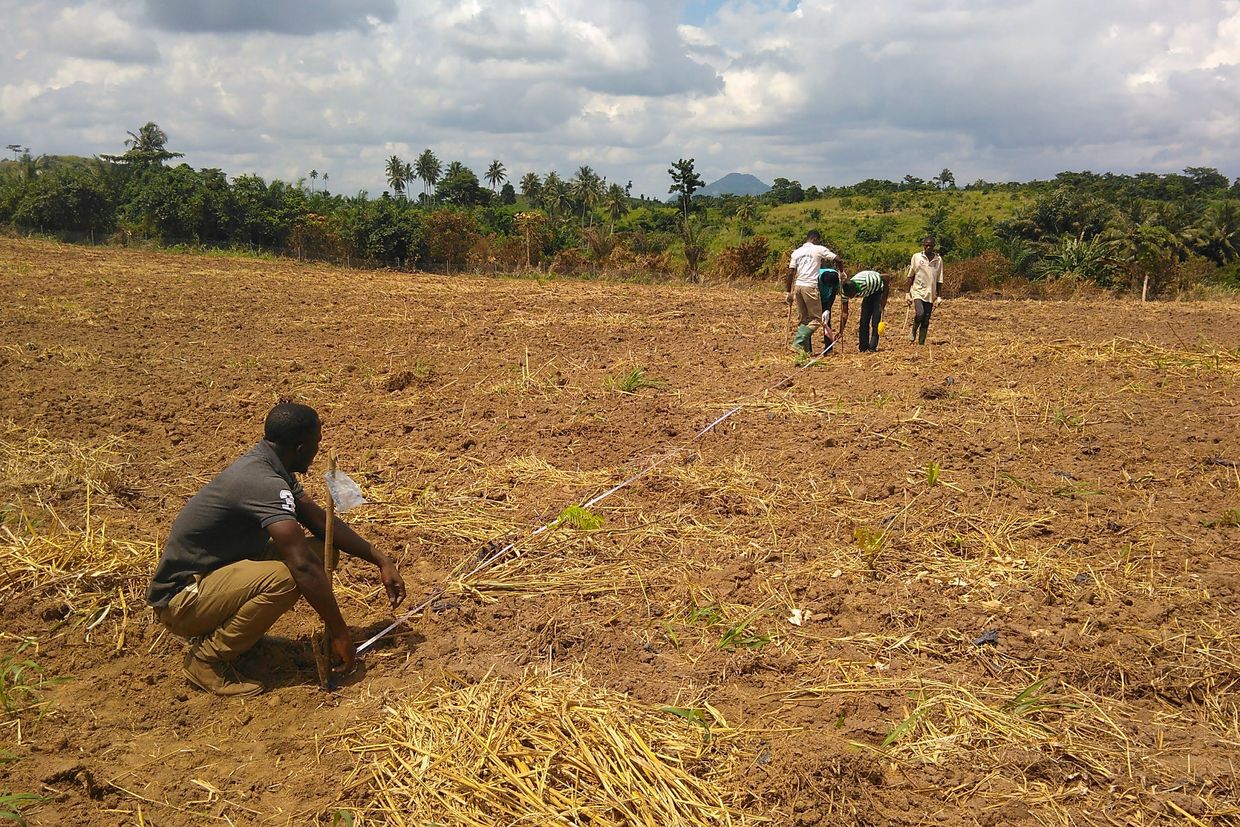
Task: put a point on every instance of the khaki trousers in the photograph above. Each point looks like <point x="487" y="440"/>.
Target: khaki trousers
<point x="809" y="306"/>
<point x="232" y="607"/>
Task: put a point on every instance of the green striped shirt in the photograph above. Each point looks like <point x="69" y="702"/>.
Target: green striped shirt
<point x="867" y="282"/>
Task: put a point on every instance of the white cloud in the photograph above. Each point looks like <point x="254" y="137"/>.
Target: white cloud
<point x="820" y="92"/>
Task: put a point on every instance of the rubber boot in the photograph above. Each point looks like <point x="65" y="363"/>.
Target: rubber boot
<point x="804" y="340"/>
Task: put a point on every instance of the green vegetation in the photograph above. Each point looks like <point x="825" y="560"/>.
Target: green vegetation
<point x="634" y="381"/>
<point x="582" y="519"/>
<point x="1147" y="233"/>
<point x="21" y="682"/>
<point x="11" y="805"/>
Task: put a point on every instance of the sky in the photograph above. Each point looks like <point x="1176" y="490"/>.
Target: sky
<point x="826" y="93"/>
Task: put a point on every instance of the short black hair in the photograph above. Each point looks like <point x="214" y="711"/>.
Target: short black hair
<point x="813" y="235"/>
<point x="290" y="423"/>
<point x="848" y="288"/>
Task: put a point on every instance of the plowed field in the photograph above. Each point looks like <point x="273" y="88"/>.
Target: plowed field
<point x="1014" y="554"/>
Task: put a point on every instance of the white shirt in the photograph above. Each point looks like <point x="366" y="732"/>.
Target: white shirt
<point x="927" y="275"/>
<point x="806" y="260"/>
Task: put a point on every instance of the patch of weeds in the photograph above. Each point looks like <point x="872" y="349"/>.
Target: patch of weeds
<point x="634" y="381"/>
<point x="343" y="818"/>
<point x="707" y="614"/>
<point x="870" y="540"/>
<point x="881" y="399"/>
<point x="740" y="635"/>
<point x="694" y="716"/>
<point x="1081" y="489"/>
<point x="1231" y="517"/>
<point x="932" y="473"/>
<point x="11" y="805"/>
<point x="1065" y="420"/>
<point x="582" y="519"/>
<point x="21" y="684"/>
<point x="1015" y="480"/>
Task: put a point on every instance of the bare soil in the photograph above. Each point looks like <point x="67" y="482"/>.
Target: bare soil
<point x="1062" y="475"/>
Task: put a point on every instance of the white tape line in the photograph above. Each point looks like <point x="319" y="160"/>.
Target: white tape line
<point x="487" y="562"/>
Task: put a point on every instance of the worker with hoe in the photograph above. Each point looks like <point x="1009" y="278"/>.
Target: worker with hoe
<point x="237" y="557"/>
<point x="803" y="267"/>
<point x="872" y="288"/>
<point x="925" y="282"/>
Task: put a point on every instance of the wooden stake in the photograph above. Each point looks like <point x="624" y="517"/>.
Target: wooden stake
<point x="323" y="652"/>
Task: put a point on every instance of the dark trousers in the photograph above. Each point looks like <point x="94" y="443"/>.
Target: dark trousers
<point x="871" y="315"/>
<point x="921" y="319"/>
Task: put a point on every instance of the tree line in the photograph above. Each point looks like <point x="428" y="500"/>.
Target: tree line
<point x="1144" y="231"/>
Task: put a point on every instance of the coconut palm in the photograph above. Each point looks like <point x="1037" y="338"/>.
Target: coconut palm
<point x="496" y="174"/>
<point x="395" y="171"/>
<point x="615" y="204"/>
<point x="427" y="168"/>
<point x="1216" y="235"/>
<point x="746" y="214"/>
<point x="531" y="187"/>
<point x="146" y="147"/>
<point x="554" y="193"/>
<point x="314" y="176"/>
<point x="1085" y="259"/>
<point x="587" y="190"/>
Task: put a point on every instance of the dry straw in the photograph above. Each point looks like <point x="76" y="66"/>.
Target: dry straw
<point x="545" y="749"/>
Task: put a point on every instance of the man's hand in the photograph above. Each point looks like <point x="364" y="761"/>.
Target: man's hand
<point x="392" y="584"/>
<point x="788" y="297"/>
<point x="344" y="650"/>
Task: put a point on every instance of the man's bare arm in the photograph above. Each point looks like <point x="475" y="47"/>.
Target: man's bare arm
<point x="310" y="514"/>
<point x="307" y="571"/>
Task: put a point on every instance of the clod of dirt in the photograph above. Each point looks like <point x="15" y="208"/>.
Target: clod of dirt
<point x="399" y="381"/>
<point x="933" y="392"/>
<point x="54" y="610"/>
<point x="77" y="775"/>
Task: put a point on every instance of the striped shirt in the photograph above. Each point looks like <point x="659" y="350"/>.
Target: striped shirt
<point x="867" y="282"/>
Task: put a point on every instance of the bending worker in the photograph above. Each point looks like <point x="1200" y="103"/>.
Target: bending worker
<point x="804" y="265"/>
<point x="872" y="288"/>
<point x="237" y="557"/>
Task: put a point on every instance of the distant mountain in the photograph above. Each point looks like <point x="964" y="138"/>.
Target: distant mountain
<point x="734" y="183"/>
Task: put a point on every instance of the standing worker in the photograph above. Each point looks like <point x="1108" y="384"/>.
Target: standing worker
<point x="803" y="266"/>
<point x="237" y="557"/>
<point x="925" y="282"/>
<point x="873" y="288"/>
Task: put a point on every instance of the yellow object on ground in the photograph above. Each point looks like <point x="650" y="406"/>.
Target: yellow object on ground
<point x="882" y="328"/>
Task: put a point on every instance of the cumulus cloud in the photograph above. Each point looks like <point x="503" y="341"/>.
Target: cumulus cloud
<point x="824" y="92"/>
<point x="298" y="17"/>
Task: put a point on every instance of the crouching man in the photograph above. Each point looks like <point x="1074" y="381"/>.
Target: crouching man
<point x="237" y="557"/>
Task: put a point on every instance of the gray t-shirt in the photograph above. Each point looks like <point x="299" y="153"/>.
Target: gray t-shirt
<point x="226" y="521"/>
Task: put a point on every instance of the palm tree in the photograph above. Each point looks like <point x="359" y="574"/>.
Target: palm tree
<point x="531" y="187"/>
<point x="746" y="214"/>
<point x="410" y="175"/>
<point x="145" y="147"/>
<point x="325" y="182"/>
<point x="554" y="193"/>
<point x="1216" y="235"/>
<point x="496" y="174"/>
<point x="587" y="190"/>
<point x="1085" y="259"/>
<point x="615" y="203"/>
<point x="395" y="170"/>
<point x="314" y="175"/>
<point x="428" y="168"/>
